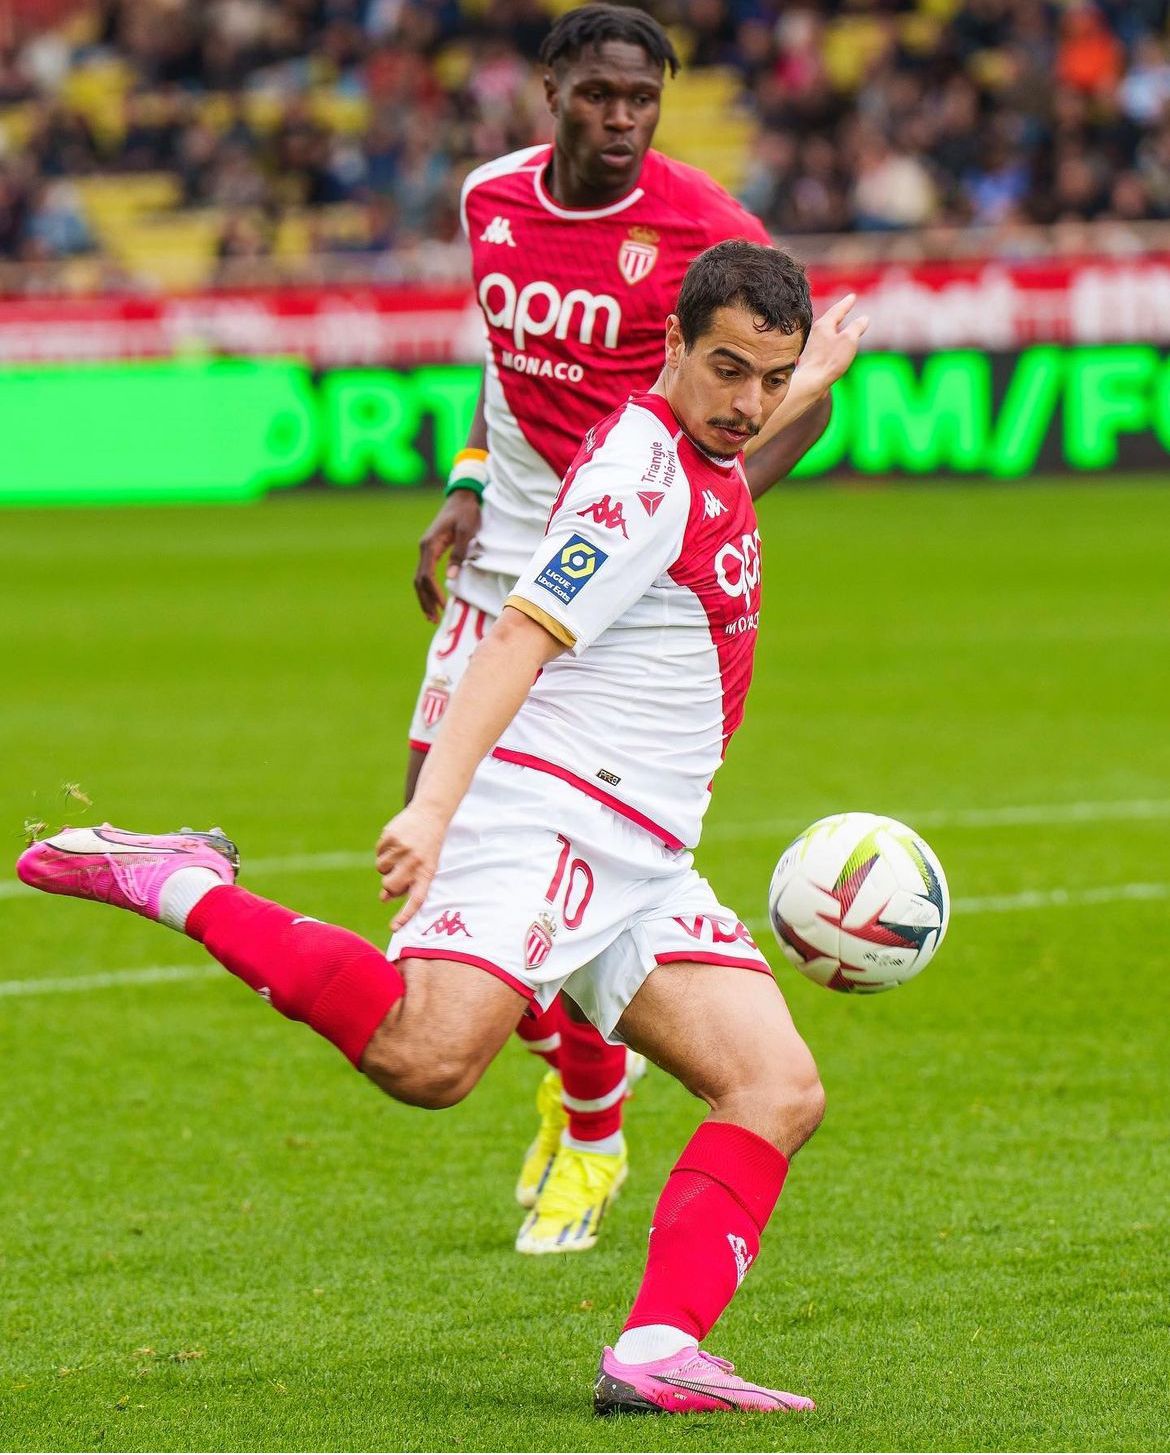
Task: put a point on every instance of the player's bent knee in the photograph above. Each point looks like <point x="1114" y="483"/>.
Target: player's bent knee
<point x="424" y="1077"/>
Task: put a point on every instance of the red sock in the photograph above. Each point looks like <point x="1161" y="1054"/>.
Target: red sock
<point x="594" y="1076"/>
<point x="331" y="979"/>
<point x="707" y="1226"/>
<point x="541" y="1033"/>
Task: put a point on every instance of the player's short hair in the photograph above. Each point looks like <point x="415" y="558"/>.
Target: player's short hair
<point x="589" y="26"/>
<point x="769" y="283"/>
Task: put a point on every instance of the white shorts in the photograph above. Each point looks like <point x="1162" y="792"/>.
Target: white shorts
<point x="548" y="889"/>
<point x="465" y="620"/>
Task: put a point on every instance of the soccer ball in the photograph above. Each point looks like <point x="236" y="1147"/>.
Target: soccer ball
<point x="859" y="902"/>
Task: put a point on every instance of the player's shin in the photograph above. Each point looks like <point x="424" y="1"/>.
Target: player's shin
<point x="594" y="1077"/>
<point x="542" y="1033"/>
<point x="333" y="980"/>
<point x="705" y="1236"/>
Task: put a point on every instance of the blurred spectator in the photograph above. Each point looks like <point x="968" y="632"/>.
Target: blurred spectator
<point x="1146" y="87"/>
<point x="56" y="225"/>
<point x="1089" y="57"/>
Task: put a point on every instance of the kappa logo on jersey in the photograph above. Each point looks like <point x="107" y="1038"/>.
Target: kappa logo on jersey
<point x="743" y="1259"/>
<point x="651" y="500"/>
<point x="605" y="512"/>
<point x="539" y="308"/>
<point x="712" y="505"/>
<point x="449" y="923"/>
<point x="638" y="254"/>
<point x="572" y="568"/>
<point x="499" y="230"/>
<point x="737" y="566"/>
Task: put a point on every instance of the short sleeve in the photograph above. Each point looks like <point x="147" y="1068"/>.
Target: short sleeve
<point x="617" y="529"/>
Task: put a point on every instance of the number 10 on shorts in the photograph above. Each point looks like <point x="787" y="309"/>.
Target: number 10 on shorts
<point x="572" y="879"/>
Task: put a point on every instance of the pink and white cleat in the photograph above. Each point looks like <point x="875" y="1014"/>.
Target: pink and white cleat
<point x="689" y="1382"/>
<point x="127" y="870"/>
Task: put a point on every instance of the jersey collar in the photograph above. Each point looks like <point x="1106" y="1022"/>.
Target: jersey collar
<point x="582" y="214"/>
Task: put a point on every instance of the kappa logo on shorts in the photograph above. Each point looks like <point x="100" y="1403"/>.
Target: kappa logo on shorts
<point x="538" y="941"/>
<point x="449" y="923"/>
<point x="572" y="568"/>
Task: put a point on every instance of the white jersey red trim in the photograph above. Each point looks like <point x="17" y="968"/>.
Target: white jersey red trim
<point x="662" y="608"/>
<point x="575" y="302"/>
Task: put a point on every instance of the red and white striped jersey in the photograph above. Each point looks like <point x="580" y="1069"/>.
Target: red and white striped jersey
<point x="575" y="302"/>
<point x="650" y="572"/>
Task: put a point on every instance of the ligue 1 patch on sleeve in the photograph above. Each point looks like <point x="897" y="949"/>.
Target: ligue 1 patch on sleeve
<point x="573" y="566"/>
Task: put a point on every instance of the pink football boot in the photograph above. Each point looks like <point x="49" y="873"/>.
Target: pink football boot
<point x="685" y="1383"/>
<point x="127" y="870"/>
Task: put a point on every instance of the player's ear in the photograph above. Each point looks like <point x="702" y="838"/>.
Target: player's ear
<point x="674" y="342"/>
<point x="550" y="91"/>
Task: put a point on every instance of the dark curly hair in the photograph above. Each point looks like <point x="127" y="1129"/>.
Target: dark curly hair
<point x="592" y="25"/>
<point x="769" y="283"/>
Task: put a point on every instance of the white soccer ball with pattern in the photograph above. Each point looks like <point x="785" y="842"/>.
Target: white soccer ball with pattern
<point x="859" y="902"/>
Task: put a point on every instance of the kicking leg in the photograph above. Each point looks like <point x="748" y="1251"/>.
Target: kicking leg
<point x="423" y="1032"/>
<point x="728" y="1037"/>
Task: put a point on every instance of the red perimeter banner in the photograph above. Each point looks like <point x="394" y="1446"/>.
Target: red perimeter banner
<point x="996" y="306"/>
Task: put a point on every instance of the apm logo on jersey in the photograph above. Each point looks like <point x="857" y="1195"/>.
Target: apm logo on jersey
<point x="573" y="567"/>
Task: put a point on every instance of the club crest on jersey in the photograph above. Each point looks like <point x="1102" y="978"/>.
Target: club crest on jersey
<point x="608" y="513"/>
<point x="435" y="698"/>
<point x="638" y="254"/>
<point x="538" y="941"/>
<point x="572" y="568"/>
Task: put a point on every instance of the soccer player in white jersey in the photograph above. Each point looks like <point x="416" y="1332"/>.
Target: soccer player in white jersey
<point x="548" y="846"/>
<point x="578" y="252"/>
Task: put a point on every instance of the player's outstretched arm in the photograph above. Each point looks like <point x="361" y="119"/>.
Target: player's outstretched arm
<point x="804" y="414"/>
<point x="453" y="528"/>
<point x="497" y="681"/>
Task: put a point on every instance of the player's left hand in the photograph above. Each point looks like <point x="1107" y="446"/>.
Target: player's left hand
<point x="832" y="344"/>
<point x="407" y="857"/>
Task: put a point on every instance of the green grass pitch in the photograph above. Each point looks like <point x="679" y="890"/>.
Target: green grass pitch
<point x="213" y="1235"/>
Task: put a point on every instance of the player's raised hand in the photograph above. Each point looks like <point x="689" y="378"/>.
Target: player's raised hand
<point x="452" y="530"/>
<point x="832" y="343"/>
<point x="406" y="857"/>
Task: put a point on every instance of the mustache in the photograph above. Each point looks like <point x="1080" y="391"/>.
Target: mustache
<point x="736" y="424"/>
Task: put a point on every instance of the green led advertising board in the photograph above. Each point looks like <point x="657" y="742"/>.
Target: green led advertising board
<point x="235" y="429"/>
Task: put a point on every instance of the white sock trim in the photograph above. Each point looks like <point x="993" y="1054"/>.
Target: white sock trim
<point x="609" y="1146"/>
<point x="182" y="892"/>
<point x="550" y="1043"/>
<point x="599" y="1103"/>
<point x="652" y="1342"/>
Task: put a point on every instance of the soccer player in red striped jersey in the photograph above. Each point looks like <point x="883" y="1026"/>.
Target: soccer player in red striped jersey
<point x="578" y="252"/>
<point x="548" y="845"/>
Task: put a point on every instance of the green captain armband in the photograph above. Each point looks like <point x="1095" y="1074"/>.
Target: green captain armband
<point x="469" y="472"/>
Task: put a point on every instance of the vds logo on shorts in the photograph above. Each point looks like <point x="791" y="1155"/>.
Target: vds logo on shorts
<point x="571" y="568"/>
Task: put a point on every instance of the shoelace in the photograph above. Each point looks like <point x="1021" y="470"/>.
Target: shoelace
<point x="572" y="1172"/>
<point x="702" y="1357"/>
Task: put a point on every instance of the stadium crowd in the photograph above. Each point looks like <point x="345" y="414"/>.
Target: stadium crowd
<point x="868" y="115"/>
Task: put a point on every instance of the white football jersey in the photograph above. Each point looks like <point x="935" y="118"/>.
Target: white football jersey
<point x="650" y="573"/>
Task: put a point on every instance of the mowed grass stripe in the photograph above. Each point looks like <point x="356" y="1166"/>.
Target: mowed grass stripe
<point x="986" y="904"/>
